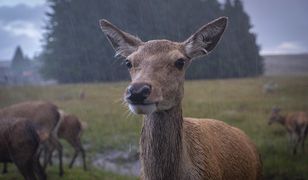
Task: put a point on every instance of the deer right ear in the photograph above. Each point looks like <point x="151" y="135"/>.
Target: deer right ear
<point x="276" y="109"/>
<point x="206" y="38"/>
<point x="123" y="43"/>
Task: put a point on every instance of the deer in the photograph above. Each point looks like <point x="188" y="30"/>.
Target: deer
<point x="71" y="129"/>
<point x="19" y="143"/>
<point x="173" y="147"/>
<point x="45" y="117"/>
<point x="296" y="125"/>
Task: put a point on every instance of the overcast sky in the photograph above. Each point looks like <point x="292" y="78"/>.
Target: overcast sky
<point x="281" y="25"/>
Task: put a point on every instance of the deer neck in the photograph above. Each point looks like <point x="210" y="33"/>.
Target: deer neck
<point x="161" y="144"/>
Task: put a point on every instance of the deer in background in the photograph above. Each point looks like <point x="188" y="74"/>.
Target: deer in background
<point x="45" y="117"/>
<point x="296" y="124"/>
<point x="71" y="129"/>
<point x="19" y="143"/>
<point x="173" y="147"/>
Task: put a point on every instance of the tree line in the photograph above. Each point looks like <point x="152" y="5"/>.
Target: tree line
<point x="75" y="49"/>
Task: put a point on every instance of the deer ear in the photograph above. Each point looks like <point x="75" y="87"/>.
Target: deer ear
<point x="206" y="38"/>
<point x="276" y="109"/>
<point x="123" y="43"/>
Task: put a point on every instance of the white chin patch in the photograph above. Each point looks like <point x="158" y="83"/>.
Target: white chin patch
<point x="142" y="109"/>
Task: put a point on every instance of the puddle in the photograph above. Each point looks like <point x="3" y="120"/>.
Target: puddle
<point x="116" y="161"/>
<point x="120" y="162"/>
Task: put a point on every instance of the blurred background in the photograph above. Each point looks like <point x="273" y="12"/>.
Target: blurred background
<point x="54" y="50"/>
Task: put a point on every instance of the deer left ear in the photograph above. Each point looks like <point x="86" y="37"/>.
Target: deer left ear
<point x="276" y="109"/>
<point x="206" y="38"/>
<point x="122" y="42"/>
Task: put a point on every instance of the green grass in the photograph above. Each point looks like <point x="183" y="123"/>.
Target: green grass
<point x="70" y="174"/>
<point x="239" y="102"/>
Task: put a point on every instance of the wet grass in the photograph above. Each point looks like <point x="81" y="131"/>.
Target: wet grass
<point x="70" y="174"/>
<point x="239" y="102"/>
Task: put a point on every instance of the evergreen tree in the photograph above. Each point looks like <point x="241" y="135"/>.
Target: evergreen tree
<point x="19" y="61"/>
<point x="76" y="50"/>
<point x="203" y="12"/>
<point x="242" y="55"/>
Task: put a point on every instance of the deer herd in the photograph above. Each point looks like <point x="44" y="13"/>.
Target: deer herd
<point x="172" y="147"/>
<point x="32" y="128"/>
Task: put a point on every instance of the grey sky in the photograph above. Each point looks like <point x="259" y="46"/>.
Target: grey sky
<point x="21" y="23"/>
<point x="281" y="25"/>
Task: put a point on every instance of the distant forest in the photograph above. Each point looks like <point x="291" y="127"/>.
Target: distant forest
<point x="75" y="49"/>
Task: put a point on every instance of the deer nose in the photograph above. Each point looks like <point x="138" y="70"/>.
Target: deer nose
<point x="137" y="93"/>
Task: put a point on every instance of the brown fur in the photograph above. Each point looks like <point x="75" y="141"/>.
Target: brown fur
<point x="176" y="148"/>
<point x="44" y="114"/>
<point x="217" y="139"/>
<point x="71" y="129"/>
<point x="45" y="117"/>
<point x="296" y="124"/>
<point x="173" y="147"/>
<point x="19" y="143"/>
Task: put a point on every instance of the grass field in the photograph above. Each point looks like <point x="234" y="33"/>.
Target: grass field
<point x="239" y="102"/>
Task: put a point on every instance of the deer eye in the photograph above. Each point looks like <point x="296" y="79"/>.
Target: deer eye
<point x="128" y="64"/>
<point x="179" y="63"/>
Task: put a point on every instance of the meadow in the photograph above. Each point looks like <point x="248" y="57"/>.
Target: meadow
<point x="239" y="102"/>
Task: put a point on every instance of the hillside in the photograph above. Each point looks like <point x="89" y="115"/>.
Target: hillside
<point x="286" y="65"/>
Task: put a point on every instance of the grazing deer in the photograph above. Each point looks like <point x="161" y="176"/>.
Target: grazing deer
<point x="71" y="129"/>
<point x="19" y="144"/>
<point x="173" y="147"/>
<point x="296" y="124"/>
<point x="45" y="117"/>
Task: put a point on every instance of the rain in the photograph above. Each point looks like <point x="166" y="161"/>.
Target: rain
<point x="130" y="89"/>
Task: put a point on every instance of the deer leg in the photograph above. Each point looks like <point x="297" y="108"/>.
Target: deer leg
<point x="290" y="140"/>
<point x="74" y="158"/>
<point x="76" y="143"/>
<point x="38" y="169"/>
<point x="83" y="153"/>
<point x="4" y="171"/>
<point x="50" y="156"/>
<point x="45" y="158"/>
<point x="304" y="138"/>
<point x="297" y="141"/>
<point x="40" y="150"/>
<point x="59" y="148"/>
<point x="26" y="170"/>
<point x="303" y="144"/>
<point x="47" y="154"/>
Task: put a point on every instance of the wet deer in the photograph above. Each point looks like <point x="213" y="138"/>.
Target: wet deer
<point x="71" y="130"/>
<point x="19" y="143"/>
<point x="45" y="117"/>
<point x="295" y="123"/>
<point x="173" y="147"/>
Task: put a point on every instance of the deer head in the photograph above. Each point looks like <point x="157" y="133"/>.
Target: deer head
<point x="157" y="67"/>
<point x="275" y="116"/>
